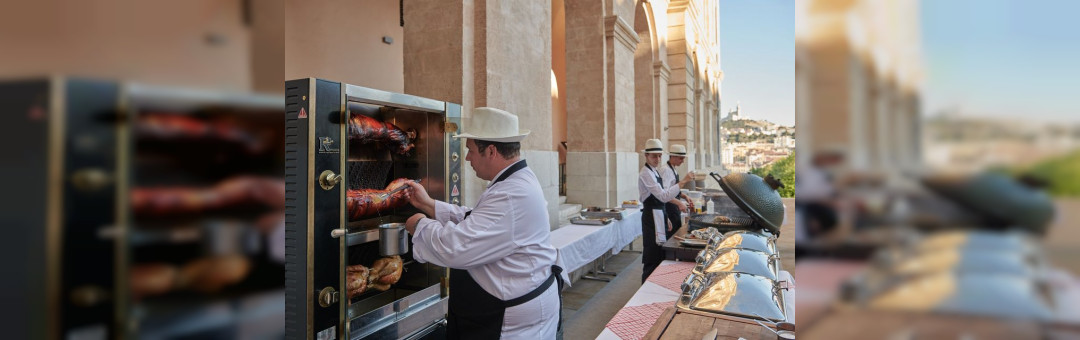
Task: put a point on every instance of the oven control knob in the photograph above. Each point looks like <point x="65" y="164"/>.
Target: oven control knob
<point x="454" y="177"/>
<point x="454" y="157"/>
<point x="328" y="296"/>
<point x="90" y="179"/>
<point x="328" y="179"/>
<point x="455" y="201"/>
<point x="88" y="296"/>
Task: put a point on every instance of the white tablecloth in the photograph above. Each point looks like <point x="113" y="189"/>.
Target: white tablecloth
<point x="577" y="245"/>
<point x="626" y="230"/>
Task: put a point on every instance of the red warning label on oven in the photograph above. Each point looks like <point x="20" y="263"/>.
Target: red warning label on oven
<point x="454" y="192"/>
<point x="303" y="113"/>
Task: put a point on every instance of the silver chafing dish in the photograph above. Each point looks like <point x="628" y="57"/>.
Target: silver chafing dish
<point x="960" y="260"/>
<point x="739" y="260"/>
<point x="967" y="293"/>
<point x="731" y="293"/>
<point x="748" y="240"/>
<point x="985" y="252"/>
<point x="597" y="212"/>
<point x="969" y="273"/>
<point x="975" y="240"/>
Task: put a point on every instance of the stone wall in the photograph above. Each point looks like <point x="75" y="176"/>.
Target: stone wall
<point x="342" y="40"/>
<point x="488" y="53"/>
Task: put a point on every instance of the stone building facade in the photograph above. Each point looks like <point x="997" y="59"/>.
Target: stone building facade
<point x="592" y="79"/>
<point x="858" y="78"/>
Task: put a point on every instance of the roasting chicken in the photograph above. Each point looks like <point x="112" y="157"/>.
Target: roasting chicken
<point x="206" y="275"/>
<point x="356" y="279"/>
<point x="365" y="202"/>
<point x="383" y="273"/>
<point x="152" y="279"/>
<point x="364" y="129"/>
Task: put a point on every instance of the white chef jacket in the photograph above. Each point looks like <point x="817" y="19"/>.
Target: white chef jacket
<point x="667" y="175"/>
<point x="647" y="185"/>
<point x="505" y="246"/>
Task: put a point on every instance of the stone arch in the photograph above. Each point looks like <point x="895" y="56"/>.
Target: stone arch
<point x="558" y="74"/>
<point x="649" y="87"/>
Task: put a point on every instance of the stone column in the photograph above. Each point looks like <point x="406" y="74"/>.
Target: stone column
<point x="867" y="106"/>
<point x="602" y="162"/>
<point x="488" y="53"/>
<point x="649" y="122"/>
<point x="703" y="128"/>
<point x="711" y="132"/>
<point x="861" y="126"/>
<point x="803" y="113"/>
<point x="911" y="100"/>
<point x="885" y="128"/>
<point x="681" y="86"/>
<point x="905" y="122"/>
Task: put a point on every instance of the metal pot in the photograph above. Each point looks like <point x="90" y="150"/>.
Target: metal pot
<point x="757" y="196"/>
<point x="393" y="239"/>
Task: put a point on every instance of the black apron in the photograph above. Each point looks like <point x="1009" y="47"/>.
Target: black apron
<point x="476" y="314"/>
<point x="651" y="254"/>
<point x="672" y="210"/>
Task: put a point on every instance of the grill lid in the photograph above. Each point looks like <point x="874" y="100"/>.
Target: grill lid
<point x="756" y="196"/>
<point x="1002" y="200"/>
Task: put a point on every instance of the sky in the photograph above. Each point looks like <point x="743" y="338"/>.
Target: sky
<point x="757" y="53"/>
<point x="1002" y="58"/>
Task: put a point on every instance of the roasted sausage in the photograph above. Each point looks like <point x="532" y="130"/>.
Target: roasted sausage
<point x="237" y="191"/>
<point x="364" y="129"/>
<point x="365" y="202"/>
<point x="168" y="126"/>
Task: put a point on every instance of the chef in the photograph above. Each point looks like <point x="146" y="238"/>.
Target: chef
<point x="502" y="264"/>
<point x="672" y="208"/>
<point x="653" y="194"/>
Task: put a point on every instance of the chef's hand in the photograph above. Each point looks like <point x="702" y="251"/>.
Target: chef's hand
<point x="410" y="224"/>
<point x="689" y="177"/>
<point x="419" y="198"/>
<point x="681" y="205"/>
<point x="668" y="225"/>
<point x="690" y="205"/>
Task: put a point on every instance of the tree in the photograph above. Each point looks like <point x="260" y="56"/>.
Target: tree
<point x="1063" y="174"/>
<point x="784" y="170"/>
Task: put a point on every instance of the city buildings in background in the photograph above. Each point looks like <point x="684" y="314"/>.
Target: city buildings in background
<point x="751" y="144"/>
<point x="965" y="142"/>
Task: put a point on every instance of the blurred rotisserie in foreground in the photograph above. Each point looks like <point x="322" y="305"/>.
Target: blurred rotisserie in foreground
<point x="175" y="128"/>
<point x="238" y="192"/>
<point x="206" y="275"/>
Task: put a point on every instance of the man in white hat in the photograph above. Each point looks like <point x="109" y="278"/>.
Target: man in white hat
<point x="500" y="254"/>
<point x="675" y="208"/>
<point x="653" y="194"/>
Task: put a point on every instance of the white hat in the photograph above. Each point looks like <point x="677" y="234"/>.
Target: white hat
<point x="653" y="146"/>
<point x="677" y="150"/>
<point x="493" y="125"/>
